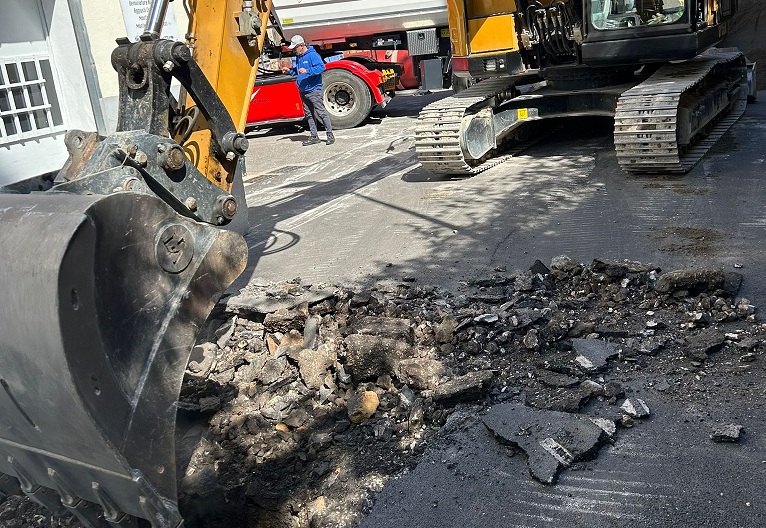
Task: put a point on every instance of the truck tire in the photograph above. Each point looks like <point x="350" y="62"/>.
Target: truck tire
<point x="347" y="98"/>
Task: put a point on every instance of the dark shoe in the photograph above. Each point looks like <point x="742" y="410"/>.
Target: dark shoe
<point x="330" y="139"/>
<point x="313" y="140"/>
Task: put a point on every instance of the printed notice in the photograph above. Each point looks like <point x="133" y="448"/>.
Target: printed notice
<point x="135" y="13"/>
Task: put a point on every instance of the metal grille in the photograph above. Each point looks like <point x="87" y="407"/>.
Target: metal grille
<point x="29" y="106"/>
<point x="422" y="42"/>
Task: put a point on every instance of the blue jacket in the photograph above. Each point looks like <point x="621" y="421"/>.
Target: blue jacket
<point x="312" y="62"/>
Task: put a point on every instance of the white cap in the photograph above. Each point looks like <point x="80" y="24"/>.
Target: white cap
<point x="297" y="40"/>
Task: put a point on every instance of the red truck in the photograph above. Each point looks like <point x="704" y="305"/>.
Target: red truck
<point x="352" y="89"/>
<point x="381" y="45"/>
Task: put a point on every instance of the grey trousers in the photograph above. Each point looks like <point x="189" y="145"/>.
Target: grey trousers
<point x="312" y="103"/>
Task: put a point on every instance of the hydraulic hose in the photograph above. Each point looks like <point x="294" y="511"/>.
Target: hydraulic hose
<point x="566" y="27"/>
<point x="542" y="26"/>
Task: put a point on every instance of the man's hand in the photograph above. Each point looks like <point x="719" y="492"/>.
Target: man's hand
<point x="285" y="70"/>
<point x="301" y="70"/>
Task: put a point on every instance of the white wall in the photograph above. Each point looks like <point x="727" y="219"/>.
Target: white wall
<point x="30" y="28"/>
<point x="46" y="27"/>
<point x="77" y="110"/>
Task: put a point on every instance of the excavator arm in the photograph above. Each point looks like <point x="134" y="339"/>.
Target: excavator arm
<point x="110" y="271"/>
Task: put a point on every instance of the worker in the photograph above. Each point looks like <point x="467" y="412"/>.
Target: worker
<point x="309" y="67"/>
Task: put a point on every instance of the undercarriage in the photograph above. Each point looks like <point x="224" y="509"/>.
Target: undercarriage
<point x="665" y="121"/>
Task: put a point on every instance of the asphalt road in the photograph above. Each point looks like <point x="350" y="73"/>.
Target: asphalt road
<point x="362" y="212"/>
<point x="665" y="472"/>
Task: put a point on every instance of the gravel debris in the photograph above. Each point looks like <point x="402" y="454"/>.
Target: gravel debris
<point x="727" y="433"/>
<point x="301" y="401"/>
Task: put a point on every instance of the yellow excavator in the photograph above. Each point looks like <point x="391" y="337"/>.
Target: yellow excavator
<point x="649" y="64"/>
<point x="114" y="265"/>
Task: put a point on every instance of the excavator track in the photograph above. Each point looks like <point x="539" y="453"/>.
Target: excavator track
<point x="647" y="117"/>
<point x="437" y="135"/>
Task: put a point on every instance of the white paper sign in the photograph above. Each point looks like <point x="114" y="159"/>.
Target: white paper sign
<point x="135" y="13"/>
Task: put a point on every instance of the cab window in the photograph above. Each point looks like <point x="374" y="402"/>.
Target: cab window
<point x="619" y="14"/>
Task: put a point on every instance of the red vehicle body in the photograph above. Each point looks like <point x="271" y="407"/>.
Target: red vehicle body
<point x="408" y="78"/>
<point x="351" y="91"/>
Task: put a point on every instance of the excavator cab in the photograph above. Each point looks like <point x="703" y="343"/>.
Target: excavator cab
<point x="111" y="269"/>
<point x="496" y="38"/>
<point x="649" y="31"/>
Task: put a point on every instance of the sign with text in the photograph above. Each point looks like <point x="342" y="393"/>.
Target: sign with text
<point x="135" y="13"/>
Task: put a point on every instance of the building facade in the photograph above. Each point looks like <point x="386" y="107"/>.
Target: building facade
<point x="56" y="75"/>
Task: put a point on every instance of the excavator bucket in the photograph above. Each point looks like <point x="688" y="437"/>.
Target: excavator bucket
<point x="102" y="298"/>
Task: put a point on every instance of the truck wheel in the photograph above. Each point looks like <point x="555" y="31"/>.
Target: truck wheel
<point x="346" y="98"/>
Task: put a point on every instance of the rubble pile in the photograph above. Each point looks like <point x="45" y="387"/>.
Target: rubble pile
<point x="318" y="394"/>
<point x="302" y="400"/>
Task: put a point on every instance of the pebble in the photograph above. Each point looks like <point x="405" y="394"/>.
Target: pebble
<point x="727" y="433"/>
<point x="635" y="408"/>
<point x="362" y="406"/>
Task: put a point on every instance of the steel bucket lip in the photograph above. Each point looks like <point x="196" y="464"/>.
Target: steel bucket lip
<point x="85" y="448"/>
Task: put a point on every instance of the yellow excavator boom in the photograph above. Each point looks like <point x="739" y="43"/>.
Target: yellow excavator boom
<point x="228" y="54"/>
